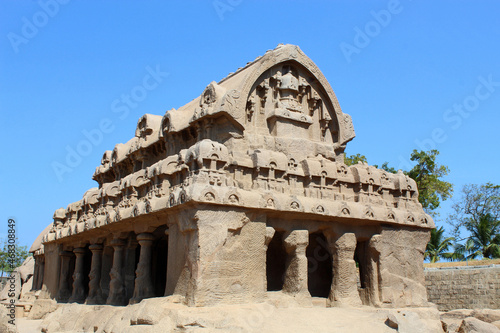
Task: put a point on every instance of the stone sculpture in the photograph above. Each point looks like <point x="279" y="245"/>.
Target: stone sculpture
<point x="243" y="190"/>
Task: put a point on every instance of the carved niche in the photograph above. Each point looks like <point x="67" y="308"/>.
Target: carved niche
<point x="290" y="103"/>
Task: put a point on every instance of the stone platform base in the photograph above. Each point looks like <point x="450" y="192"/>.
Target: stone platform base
<point x="280" y="313"/>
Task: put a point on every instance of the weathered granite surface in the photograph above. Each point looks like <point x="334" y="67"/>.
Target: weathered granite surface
<point x="241" y="191"/>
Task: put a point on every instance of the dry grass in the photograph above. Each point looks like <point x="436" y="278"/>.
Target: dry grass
<point x="463" y="263"/>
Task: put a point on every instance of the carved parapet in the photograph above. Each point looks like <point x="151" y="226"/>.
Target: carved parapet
<point x="366" y="175"/>
<point x="169" y="165"/>
<point x="147" y="131"/>
<point x="134" y="180"/>
<point x="320" y="167"/>
<point x="90" y="198"/>
<point x="207" y="154"/>
<point x="209" y="102"/>
<point x="110" y="191"/>
<point x="269" y="159"/>
<point x="223" y="149"/>
<point x="73" y="210"/>
<point x="103" y="173"/>
<point x="59" y="218"/>
<point x="367" y="202"/>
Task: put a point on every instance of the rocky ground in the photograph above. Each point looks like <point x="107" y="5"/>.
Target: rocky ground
<point x="464" y="320"/>
<point x="280" y="313"/>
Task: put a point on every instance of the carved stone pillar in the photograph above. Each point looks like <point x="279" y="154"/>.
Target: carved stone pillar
<point x="78" y="294"/>
<point x="296" y="269"/>
<point x="116" y="285"/>
<point x="129" y="267"/>
<point x="64" y="291"/>
<point x="107" y="262"/>
<point x="344" y="289"/>
<point x="95" y="292"/>
<point x="143" y="282"/>
<point x="36" y="271"/>
<point x="41" y="273"/>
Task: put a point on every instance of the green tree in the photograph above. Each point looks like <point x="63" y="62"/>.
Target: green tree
<point x="9" y="262"/>
<point x="428" y="175"/>
<point x="385" y="166"/>
<point x="438" y="246"/>
<point x="485" y="236"/>
<point x="476" y="202"/>
<point x="465" y="251"/>
<point x="354" y="159"/>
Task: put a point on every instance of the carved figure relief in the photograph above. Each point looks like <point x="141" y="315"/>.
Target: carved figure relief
<point x="345" y="211"/>
<point x="233" y="199"/>
<point x="207" y="100"/>
<point x="209" y="196"/>
<point x="280" y="166"/>
<point x="270" y="203"/>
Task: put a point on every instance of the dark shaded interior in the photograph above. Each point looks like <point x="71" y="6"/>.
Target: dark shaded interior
<point x="319" y="261"/>
<point x="159" y="265"/>
<point x="276" y="262"/>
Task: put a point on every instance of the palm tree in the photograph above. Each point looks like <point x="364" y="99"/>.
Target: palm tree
<point x="465" y="251"/>
<point x="485" y="235"/>
<point x="438" y="245"/>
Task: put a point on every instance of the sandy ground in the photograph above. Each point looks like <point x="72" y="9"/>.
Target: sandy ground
<point x="157" y="316"/>
<point x="291" y="320"/>
<point x="24" y="325"/>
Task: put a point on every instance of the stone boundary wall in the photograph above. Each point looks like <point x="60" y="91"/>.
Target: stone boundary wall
<point x="467" y="287"/>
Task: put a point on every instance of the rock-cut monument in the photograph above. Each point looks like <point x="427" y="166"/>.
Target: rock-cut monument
<point x="240" y="192"/>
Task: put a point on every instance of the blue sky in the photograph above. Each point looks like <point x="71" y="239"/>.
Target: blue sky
<point x="412" y="74"/>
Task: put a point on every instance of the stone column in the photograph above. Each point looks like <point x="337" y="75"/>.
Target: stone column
<point x="36" y="272"/>
<point x="95" y="293"/>
<point x="129" y="267"/>
<point x="143" y="282"/>
<point x="41" y="271"/>
<point x="107" y="262"/>
<point x="116" y="285"/>
<point x="52" y="271"/>
<point x="78" y="294"/>
<point x="344" y="289"/>
<point x="64" y="291"/>
<point x="296" y="269"/>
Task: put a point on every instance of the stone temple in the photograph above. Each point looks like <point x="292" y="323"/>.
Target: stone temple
<point x="240" y="192"/>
